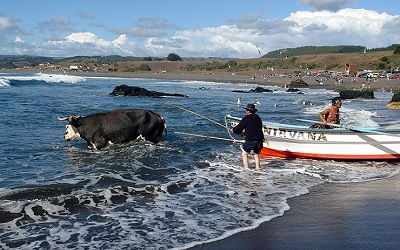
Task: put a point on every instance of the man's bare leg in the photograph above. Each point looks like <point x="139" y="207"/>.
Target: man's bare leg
<point x="257" y="160"/>
<point x="245" y="157"/>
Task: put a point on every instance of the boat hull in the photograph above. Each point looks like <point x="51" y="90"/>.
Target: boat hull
<point x="269" y="152"/>
<point x="292" y="141"/>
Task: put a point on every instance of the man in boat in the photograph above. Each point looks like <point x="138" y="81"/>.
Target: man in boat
<point x="254" y="137"/>
<point x="330" y="115"/>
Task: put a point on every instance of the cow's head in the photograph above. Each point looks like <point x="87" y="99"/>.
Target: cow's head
<point x="71" y="132"/>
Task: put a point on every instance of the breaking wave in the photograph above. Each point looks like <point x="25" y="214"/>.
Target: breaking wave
<point x="48" y="78"/>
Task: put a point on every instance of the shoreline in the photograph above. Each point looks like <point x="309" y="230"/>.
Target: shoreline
<point x="229" y="78"/>
<point x="331" y="216"/>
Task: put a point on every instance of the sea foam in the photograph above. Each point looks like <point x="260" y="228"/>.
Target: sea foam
<point x="49" y="78"/>
<point x="4" y="82"/>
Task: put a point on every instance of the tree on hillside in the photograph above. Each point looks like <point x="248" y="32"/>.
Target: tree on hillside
<point x="144" y="67"/>
<point x="231" y="63"/>
<point x="174" y="57"/>
<point x="397" y="50"/>
<point x="190" y="67"/>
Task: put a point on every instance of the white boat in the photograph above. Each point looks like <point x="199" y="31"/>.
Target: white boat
<point x="355" y="144"/>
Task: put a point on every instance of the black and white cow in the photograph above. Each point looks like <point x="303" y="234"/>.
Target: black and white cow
<point x="118" y="126"/>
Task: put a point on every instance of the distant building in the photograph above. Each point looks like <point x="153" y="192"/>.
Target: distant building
<point x="73" y="68"/>
<point x="350" y="69"/>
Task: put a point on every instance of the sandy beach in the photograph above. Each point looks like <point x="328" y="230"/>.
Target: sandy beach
<point x="312" y="82"/>
<point x="332" y="216"/>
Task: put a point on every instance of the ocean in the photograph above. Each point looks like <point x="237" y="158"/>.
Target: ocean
<point x="186" y="190"/>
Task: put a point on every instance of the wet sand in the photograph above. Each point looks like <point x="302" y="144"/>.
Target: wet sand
<point x="332" y="216"/>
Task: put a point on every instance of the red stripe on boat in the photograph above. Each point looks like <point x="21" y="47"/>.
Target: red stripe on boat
<point x="268" y="152"/>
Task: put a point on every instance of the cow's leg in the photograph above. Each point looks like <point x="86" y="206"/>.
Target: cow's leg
<point x="99" y="143"/>
<point x="140" y="138"/>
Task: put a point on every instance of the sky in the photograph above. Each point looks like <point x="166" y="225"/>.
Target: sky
<point x="206" y="28"/>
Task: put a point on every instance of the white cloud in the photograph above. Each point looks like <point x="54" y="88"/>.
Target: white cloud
<point x="331" y="5"/>
<point x="84" y="37"/>
<point x="85" y="15"/>
<point x="302" y="28"/>
<point x="242" y="39"/>
<point x="125" y="46"/>
<point x="86" y="43"/>
<point x="18" y="40"/>
<point x="146" y="28"/>
<point x="62" y="23"/>
<point x="5" y="24"/>
<point x="223" y="41"/>
<point x="345" y="19"/>
<point x="347" y="26"/>
<point x="9" y="26"/>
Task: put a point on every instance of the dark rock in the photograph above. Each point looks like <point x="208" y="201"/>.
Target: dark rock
<point x="126" y="90"/>
<point x="260" y="90"/>
<point x="292" y="90"/>
<point x="38" y="210"/>
<point x="298" y="83"/>
<point x="240" y="91"/>
<point x="396" y="97"/>
<point x="367" y="94"/>
<point x="349" y="94"/>
<point x="6" y="216"/>
<point x="395" y="102"/>
<point x="354" y="94"/>
<point x="177" y="188"/>
<point x="256" y="90"/>
<point x="73" y="201"/>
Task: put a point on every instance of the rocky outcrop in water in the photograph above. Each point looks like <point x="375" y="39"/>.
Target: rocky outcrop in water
<point x="354" y="94"/>
<point x="126" y="90"/>
<point x="256" y="90"/>
<point x="293" y="90"/>
<point x="395" y="102"/>
<point x="298" y="83"/>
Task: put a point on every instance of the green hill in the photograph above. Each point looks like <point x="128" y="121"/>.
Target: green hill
<point x="316" y="50"/>
<point x="20" y="61"/>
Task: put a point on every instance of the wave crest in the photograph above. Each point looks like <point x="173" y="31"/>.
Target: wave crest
<point x="49" y="78"/>
<point x="4" y="82"/>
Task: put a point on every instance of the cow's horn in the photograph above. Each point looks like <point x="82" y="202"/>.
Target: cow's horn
<point x="62" y="118"/>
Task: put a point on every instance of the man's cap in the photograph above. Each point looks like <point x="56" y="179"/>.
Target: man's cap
<point x="251" y="107"/>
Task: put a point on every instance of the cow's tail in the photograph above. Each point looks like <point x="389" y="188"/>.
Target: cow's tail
<point x="165" y="125"/>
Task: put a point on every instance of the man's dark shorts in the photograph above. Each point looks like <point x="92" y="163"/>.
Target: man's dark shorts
<point x="256" y="146"/>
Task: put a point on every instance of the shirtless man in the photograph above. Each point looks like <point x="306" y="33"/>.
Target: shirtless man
<point x="331" y="114"/>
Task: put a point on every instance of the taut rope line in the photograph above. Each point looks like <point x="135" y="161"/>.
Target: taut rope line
<point x="202" y="116"/>
<point x="206" y="136"/>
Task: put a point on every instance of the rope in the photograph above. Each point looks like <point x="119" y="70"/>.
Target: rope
<point x="208" y="137"/>
<point x="202" y="116"/>
<point x="229" y="132"/>
<point x="209" y="119"/>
